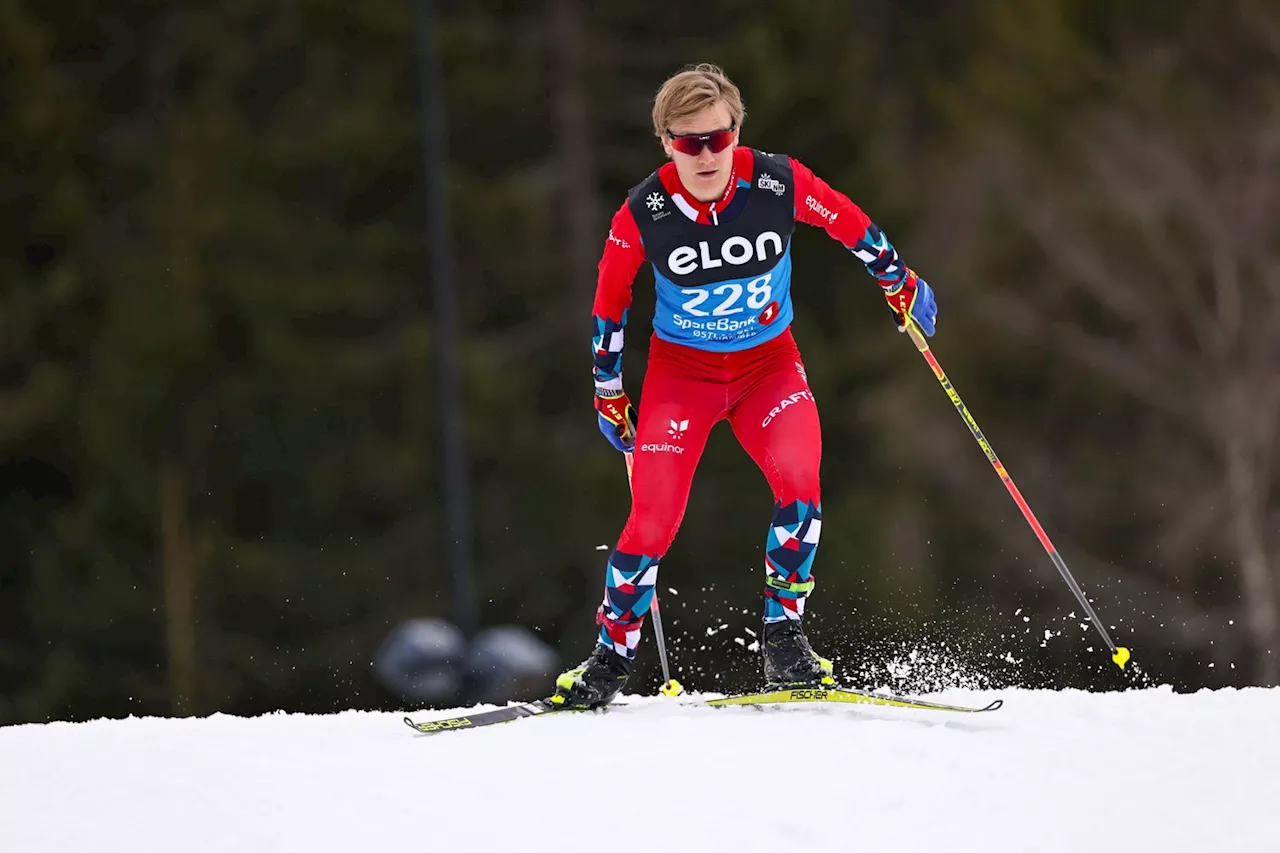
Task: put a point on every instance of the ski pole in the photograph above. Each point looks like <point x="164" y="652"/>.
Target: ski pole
<point x="1119" y="654"/>
<point x="670" y="687"/>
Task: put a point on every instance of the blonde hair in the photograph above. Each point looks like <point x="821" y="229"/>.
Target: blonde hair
<point x="692" y="90"/>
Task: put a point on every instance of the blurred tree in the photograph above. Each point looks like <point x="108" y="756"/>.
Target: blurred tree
<point x="1166" y="236"/>
<point x="1152" y="233"/>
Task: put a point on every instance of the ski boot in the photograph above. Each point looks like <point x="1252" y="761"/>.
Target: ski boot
<point x="594" y="682"/>
<point x="788" y="659"/>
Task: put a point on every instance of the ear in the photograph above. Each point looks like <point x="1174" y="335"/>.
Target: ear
<point x="666" y="147"/>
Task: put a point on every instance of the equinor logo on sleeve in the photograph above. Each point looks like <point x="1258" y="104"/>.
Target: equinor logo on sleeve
<point x="821" y="209"/>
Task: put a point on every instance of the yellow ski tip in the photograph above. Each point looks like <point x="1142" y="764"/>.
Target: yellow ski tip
<point x="1121" y="657"/>
<point x="672" y="688"/>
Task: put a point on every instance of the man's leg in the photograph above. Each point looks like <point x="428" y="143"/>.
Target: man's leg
<point x="776" y="422"/>
<point x="676" y="416"/>
<point x="677" y="411"/>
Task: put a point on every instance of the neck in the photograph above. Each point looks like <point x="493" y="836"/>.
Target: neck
<point x="717" y="195"/>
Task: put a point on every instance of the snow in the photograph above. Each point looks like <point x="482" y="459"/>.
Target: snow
<point x="1051" y="771"/>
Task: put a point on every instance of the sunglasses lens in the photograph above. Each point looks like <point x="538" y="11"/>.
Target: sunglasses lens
<point x="692" y="145"/>
<point x="720" y="140"/>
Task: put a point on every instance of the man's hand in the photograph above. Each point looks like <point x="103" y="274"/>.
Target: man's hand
<point x="617" y="417"/>
<point x="913" y="298"/>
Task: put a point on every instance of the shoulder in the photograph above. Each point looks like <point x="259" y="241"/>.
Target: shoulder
<point x="769" y="171"/>
<point x="624" y="229"/>
<point x="769" y="160"/>
<point x="653" y="182"/>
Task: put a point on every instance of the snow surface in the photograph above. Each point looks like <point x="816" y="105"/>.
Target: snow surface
<point x="1143" y="770"/>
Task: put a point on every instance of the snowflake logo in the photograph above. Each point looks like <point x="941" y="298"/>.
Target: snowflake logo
<point x="655" y="201"/>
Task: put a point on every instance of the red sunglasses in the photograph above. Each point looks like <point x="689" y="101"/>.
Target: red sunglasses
<point x="692" y="143"/>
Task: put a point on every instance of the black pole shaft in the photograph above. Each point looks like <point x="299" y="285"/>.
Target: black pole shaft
<point x="1119" y="654"/>
<point x="662" y="640"/>
<point x="654" y="613"/>
<point x="453" y="462"/>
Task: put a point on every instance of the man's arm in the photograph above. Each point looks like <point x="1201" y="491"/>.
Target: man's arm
<point x="622" y="258"/>
<point x="619" y="264"/>
<point x="818" y="204"/>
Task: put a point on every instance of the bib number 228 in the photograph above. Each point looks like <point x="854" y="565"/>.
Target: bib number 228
<point x="759" y="293"/>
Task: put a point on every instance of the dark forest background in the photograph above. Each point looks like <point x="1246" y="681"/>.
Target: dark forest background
<point x="220" y="485"/>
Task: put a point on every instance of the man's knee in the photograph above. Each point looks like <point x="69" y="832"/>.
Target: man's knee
<point x="797" y="485"/>
<point x="649" y="531"/>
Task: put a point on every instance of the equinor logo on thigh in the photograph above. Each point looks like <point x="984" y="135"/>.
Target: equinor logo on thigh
<point x="676" y="431"/>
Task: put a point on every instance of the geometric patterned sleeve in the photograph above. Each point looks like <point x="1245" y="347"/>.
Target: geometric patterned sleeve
<point x="818" y="204"/>
<point x="621" y="260"/>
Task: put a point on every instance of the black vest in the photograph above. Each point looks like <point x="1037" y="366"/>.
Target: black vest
<point x="753" y="233"/>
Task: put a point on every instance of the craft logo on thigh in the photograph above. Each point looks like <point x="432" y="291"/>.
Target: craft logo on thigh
<point x="786" y="402"/>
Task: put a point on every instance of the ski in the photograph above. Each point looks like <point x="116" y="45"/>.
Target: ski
<point x="844" y="695"/>
<point x="839" y="695"/>
<point x="486" y="718"/>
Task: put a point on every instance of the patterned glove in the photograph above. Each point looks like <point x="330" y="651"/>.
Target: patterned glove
<point x="913" y="298"/>
<point x="617" y="416"/>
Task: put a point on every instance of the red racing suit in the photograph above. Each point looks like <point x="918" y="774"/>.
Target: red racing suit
<point x="722" y="349"/>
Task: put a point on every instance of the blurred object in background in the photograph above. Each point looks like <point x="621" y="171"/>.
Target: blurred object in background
<point x="508" y="662"/>
<point x="422" y="659"/>
<point x="429" y="661"/>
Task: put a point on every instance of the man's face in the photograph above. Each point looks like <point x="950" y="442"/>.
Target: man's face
<point x="705" y="174"/>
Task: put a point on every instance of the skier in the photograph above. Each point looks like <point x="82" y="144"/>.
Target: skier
<point x="716" y="223"/>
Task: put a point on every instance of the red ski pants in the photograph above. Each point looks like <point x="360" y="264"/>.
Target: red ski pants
<point x="764" y="395"/>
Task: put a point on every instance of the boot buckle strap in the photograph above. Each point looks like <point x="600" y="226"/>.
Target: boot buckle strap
<point x="787" y="586"/>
